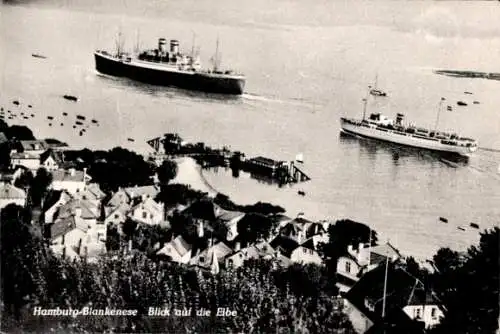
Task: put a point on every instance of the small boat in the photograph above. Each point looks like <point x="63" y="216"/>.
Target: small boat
<point x="80" y="117"/>
<point x="74" y="126"/>
<point x="26" y="117"/>
<point x="461" y="228"/>
<point x="16" y="102"/>
<point x="1" y="109"/>
<point x="62" y="124"/>
<point x="301" y="192"/>
<point x="377" y="92"/>
<point x="36" y="55"/>
<point x="78" y="123"/>
<point x="442" y="219"/>
<point x="50" y="117"/>
<point x="94" y="121"/>
<point x="131" y="139"/>
<point x="476" y="102"/>
<point x="474" y="225"/>
<point x="449" y="108"/>
<point x="71" y="98"/>
<point x="32" y="115"/>
<point x="50" y="124"/>
<point x="65" y="114"/>
<point x="461" y="103"/>
<point x="30" y="106"/>
<point x="468" y="93"/>
<point x="81" y="133"/>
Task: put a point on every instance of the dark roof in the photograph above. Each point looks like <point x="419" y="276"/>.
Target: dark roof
<point x="203" y="209"/>
<point x="265" y="161"/>
<point x="61" y="227"/>
<point x="3" y="138"/>
<point x="285" y="245"/>
<point x="52" y="197"/>
<point x="397" y="323"/>
<point x="367" y="295"/>
<point x="56" y="155"/>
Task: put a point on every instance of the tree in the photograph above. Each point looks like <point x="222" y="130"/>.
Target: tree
<point x="167" y="171"/>
<point x="22" y="259"/>
<point x="342" y="234"/>
<point x="469" y="287"/>
<point x="39" y="186"/>
<point x="253" y="227"/>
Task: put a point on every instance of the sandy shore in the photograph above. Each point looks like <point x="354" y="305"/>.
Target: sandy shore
<point x="189" y="172"/>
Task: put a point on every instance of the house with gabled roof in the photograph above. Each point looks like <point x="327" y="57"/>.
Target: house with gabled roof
<point x="52" y="160"/>
<point x="301" y="229"/>
<point x="205" y="259"/>
<point x="71" y="180"/>
<point x="372" y="311"/>
<point x="178" y="250"/>
<point x="298" y="253"/>
<point x="147" y="212"/>
<point x="425" y="306"/>
<point x="53" y="201"/>
<point x="35" y="147"/>
<point x="23" y="159"/>
<point x="261" y="250"/>
<point x="142" y="192"/>
<point x="116" y="215"/>
<point x="118" y="198"/>
<point x="9" y="194"/>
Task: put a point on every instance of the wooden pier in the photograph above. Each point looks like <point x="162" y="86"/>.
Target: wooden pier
<point x="172" y="145"/>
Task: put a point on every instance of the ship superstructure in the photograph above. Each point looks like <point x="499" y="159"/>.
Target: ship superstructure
<point x="169" y="67"/>
<point x="380" y="127"/>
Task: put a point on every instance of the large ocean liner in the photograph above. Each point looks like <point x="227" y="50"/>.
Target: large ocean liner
<point x="379" y="127"/>
<point x="169" y="68"/>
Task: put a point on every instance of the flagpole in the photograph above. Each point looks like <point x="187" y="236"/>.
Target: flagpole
<point x="439" y="111"/>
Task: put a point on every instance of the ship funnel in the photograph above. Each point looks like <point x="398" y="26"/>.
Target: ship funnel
<point x="174" y="46"/>
<point x="399" y="119"/>
<point x="162" y="46"/>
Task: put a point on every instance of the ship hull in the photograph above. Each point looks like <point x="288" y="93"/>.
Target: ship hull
<point x="403" y="139"/>
<point x="156" y="75"/>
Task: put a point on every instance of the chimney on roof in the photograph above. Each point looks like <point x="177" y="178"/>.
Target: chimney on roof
<point x="84" y="173"/>
<point x="78" y="212"/>
<point x="64" y="251"/>
<point x="130" y="246"/>
<point x="201" y="232"/>
<point x="72" y="171"/>
<point x="237" y="246"/>
<point x="350" y="249"/>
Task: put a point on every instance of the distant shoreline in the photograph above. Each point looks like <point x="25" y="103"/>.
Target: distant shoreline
<point x="469" y="74"/>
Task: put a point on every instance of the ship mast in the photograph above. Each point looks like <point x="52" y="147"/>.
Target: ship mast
<point x="137" y="46"/>
<point x="216" y="60"/>
<point x="438" y="113"/>
<point x="365" y="101"/>
<point x="119" y="44"/>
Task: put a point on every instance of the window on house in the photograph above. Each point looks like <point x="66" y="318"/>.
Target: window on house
<point x="202" y="259"/>
<point x="304" y="250"/>
<point x="417" y="313"/>
<point x="348" y="267"/>
<point x="117" y="216"/>
<point x="230" y="263"/>
<point x="433" y="313"/>
<point x="144" y="214"/>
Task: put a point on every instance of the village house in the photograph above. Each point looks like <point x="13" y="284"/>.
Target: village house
<point x="53" y="201"/>
<point x="147" y="212"/>
<point x="118" y="198"/>
<point x="3" y="138"/>
<point x="52" y="160"/>
<point x="425" y="307"/>
<point x="211" y="258"/>
<point x="86" y="216"/>
<point x="261" y="250"/>
<point x="301" y="229"/>
<point x="370" y="311"/>
<point x="71" y="180"/>
<point x="27" y="160"/>
<point x="10" y="194"/>
<point x="297" y="253"/>
<point x="116" y="215"/>
<point x="178" y="250"/>
<point x="142" y="193"/>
